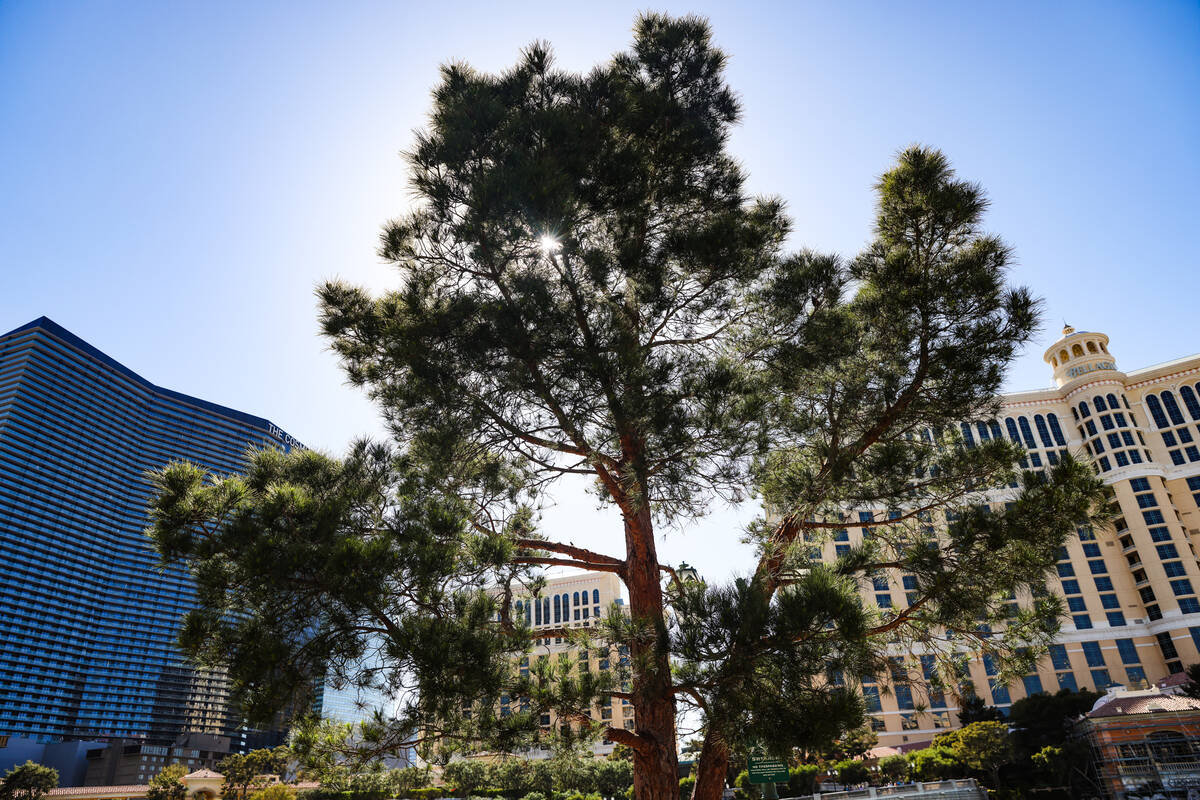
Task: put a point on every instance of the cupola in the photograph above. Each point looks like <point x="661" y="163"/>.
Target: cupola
<point x="1077" y="354"/>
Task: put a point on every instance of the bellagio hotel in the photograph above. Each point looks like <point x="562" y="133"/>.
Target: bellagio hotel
<point x="1131" y="591"/>
<point x="577" y="600"/>
<point x="1133" y="611"/>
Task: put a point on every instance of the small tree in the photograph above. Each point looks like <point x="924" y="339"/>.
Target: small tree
<point x="612" y="778"/>
<point x="984" y="746"/>
<point x="851" y="772"/>
<point x="894" y="768"/>
<point x="242" y="772"/>
<point x="1043" y="720"/>
<point x="972" y="708"/>
<point x="934" y="763"/>
<point x="28" y="781"/>
<point x="168" y="784"/>
<point x="464" y="777"/>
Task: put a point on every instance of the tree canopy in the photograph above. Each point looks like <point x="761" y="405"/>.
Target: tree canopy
<point x="168" y="784"/>
<point x="586" y="288"/>
<point x="28" y="781"/>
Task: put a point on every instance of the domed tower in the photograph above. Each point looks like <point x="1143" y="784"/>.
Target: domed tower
<point x="1078" y="354"/>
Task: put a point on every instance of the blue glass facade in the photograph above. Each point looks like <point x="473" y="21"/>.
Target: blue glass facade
<point x="87" y="616"/>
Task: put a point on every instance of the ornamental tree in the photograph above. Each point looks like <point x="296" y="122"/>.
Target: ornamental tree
<point x="28" y="781"/>
<point x="585" y="288"/>
<point x="168" y="784"/>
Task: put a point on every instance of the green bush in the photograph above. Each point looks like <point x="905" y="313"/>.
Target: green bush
<point x="426" y="793"/>
<point x="851" y="772"/>
<point x="686" y="787"/>
<point x="745" y="789"/>
<point x="803" y="779"/>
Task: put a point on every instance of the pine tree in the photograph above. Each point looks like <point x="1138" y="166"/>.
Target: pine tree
<point x="586" y="289"/>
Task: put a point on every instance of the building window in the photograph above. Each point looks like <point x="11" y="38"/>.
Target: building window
<point x="1167" y="646"/>
<point x="1093" y="654"/>
<point x="1033" y="684"/>
<point x="1058" y="657"/>
<point x="1066" y="680"/>
<point x="1166" y="551"/>
<point x="1101" y="679"/>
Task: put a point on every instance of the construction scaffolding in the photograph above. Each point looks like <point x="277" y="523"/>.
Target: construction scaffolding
<point x="1153" y="756"/>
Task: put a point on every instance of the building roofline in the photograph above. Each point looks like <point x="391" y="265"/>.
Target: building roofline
<point x="51" y="327"/>
<point x="1174" y="362"/>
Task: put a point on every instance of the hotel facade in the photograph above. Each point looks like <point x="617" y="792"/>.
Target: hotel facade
<point x="574" y="601"/>
<point x="1131" y="591"/>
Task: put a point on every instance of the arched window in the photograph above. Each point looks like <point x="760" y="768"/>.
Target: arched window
<point x="1189" y="400"/>
<point x="596" y="597"/>
<point x="1062" y="356"/>
<point x="1026" y="433"/>
<point x="1076" y="350"/>
<point x="1053" y="361"/>
<point x="1098" y="401"/>
<point x="966" y="432"/>
<point x="575" y="599"/>
<point x="1012" y="430"/>
<point x="995" y="428"/>
<point x="566" y="607"/>
<point x="1160" y="419"/>
<point x="537" y="612"/>
<point x="983" y="431"/>
<point x="1172" y="407"/>
<point x="1043" y="432"/>
<point x="1092" y="347"/>
<point x="1056" y="430"/>
<point x="1083" y="409"/>
<point x="1074" y="413"/>
<point x="557" y="609"/>
<point x="1113" y="405"/>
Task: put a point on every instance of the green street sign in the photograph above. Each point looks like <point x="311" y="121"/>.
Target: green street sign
<point x="766" y="769"/>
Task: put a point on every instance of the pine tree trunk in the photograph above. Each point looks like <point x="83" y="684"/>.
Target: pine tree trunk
<point x="712" y="769"/>
<point x="656" y="769"/>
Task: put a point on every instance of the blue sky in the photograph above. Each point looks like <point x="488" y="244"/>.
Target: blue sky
<point x="176" y="177"/>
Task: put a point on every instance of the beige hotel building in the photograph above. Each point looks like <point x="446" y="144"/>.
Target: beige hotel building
<point x="1133" y="611"/>
<point x="578" y="600"/>
<point x="1133" y="607"/>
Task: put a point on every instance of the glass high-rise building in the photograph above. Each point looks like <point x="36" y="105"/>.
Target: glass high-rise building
<point x="88" y="618"/>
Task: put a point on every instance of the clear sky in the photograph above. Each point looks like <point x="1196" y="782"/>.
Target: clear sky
<point x="176" y="177"/>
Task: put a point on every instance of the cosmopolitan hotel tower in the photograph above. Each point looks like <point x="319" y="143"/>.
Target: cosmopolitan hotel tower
<point x="1133" y="590"/>
<point x="87" y="617"/>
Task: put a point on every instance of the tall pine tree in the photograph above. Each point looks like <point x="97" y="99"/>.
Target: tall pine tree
<point x="586" y="289"/>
